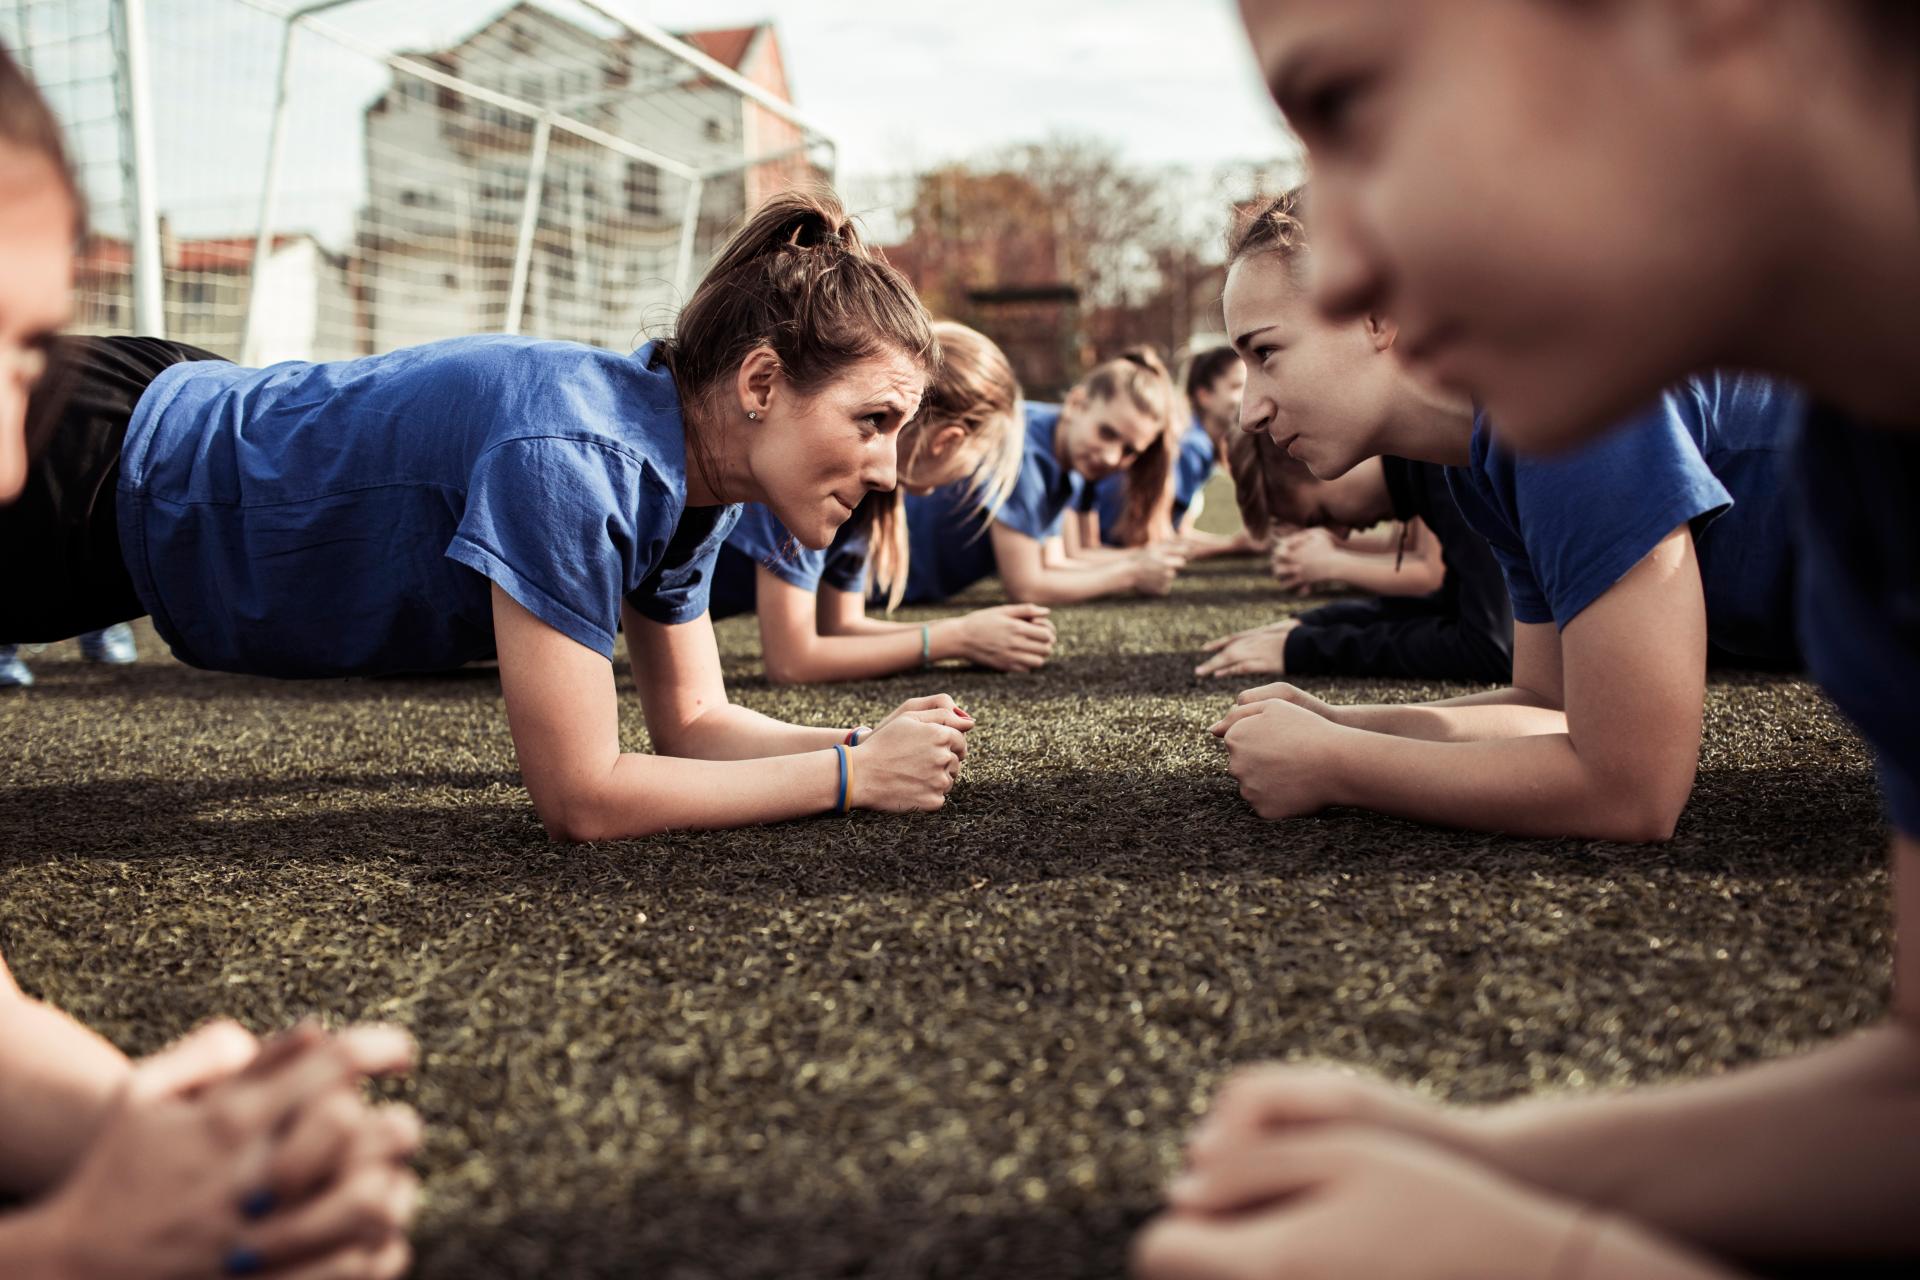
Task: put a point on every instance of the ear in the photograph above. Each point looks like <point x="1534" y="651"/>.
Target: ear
<point x="1381" y="331"/>
<point x="1076" y="401"/>
<point x="759" y="373"/>
<point x="941" y="443"/>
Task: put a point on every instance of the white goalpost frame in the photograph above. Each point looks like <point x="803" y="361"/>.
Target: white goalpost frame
<point x="129" y="27"/>
<point x="546" y="120"/>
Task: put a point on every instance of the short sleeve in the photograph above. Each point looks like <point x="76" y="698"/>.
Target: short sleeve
<point x="561" y="526"/>
<point x="1565" y="529"/>
<point x="1486" y="516"/>
<point x="679" y="584"/>
<point x="761" y="536"/>
<point x="846" y="564"/>
<point x="1035" y="507"/>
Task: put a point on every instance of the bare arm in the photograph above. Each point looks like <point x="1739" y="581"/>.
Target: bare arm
<point x="1080" y="537"/>
<point x="1030" y="577"/>
<point x="1008" y="637"/>
<point x="809" y="638"/>
<point x="1811" y="1156"/>
<point x="722" y="765"/>
<point x="57" y="1081"/>
<point x="1533" y="704"/>
<point x="1363" y="560"/>
<point x="1635" y="678"/>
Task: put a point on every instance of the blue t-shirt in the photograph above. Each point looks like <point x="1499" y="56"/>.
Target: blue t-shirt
<point x="949" y="546"/>
<point x="346" y="518"/>
<point x="1857" y="524"/>
<point x="1707" y="453"/>
<point x="761" y="541"/>
<point x="1192" y="468"/>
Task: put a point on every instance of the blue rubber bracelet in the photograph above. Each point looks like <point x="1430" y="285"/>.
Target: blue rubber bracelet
<point x="242" y="1261"/>
<point x="840" y="754"/>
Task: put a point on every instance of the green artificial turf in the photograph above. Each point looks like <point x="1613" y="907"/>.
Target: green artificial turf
<point x="960" y="1044"/>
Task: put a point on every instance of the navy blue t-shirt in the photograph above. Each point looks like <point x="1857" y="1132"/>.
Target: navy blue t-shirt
<point x="1857" y="523"/>
<point x="1707" y="453"/>
<point x="1192" y="468"/>
<point x="347" y="518"/>
<point x="760" y="541"/>
<point x="949" y="546"/>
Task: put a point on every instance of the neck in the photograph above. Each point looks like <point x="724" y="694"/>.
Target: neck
<point x="1428" y="424"/>
<point x="717" y="470"/>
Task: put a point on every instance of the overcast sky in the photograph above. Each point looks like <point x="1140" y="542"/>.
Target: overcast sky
<point x="901" y="84"/>
<point x="898" y="85"/>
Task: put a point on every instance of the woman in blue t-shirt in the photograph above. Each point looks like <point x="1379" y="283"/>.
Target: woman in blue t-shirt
<point x="1117" y="418"/>
<point x="1626" y="562"/>
<point x="967" y="433"/>
<point x="220" y="1153"/>
<point x="1568" y="207"/>
<point x="1215" y="379"/>
<point x="505" y="496"/>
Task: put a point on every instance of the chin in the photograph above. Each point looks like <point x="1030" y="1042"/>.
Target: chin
<point x="1325" y="464"/>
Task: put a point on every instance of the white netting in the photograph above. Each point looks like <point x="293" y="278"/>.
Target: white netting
<point x="413" y="133"/>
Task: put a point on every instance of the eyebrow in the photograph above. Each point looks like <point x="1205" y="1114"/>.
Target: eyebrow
<point x="1240" y="343"/>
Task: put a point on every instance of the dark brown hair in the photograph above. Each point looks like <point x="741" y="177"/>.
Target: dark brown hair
<point x="1266" y="481"/>
<point x="1140" y="376"/>
<point x="1276" y="224"/>
<point x="975" y="389"/>
<point x="1206" y="369"/>
<point x="797" y="279"/>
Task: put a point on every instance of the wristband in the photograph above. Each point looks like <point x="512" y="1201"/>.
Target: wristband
<point x="846" y="778"/>
<point x="926" y="646"/>
<point x="853" y="734"/>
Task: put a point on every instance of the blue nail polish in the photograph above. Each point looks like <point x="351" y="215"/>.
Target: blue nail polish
<point x="258" y="1204"/>
<point x="242" y="1261"/>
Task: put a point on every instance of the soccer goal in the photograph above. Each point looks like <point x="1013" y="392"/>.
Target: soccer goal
<point x="275" y="180"/>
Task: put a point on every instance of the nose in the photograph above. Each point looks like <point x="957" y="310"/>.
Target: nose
<point x="883" y="467"/>
<point x="1347" y="273"/>
<point x="1255" y="417"/>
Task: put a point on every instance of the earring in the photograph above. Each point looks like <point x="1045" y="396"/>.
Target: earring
<point x="753" y="415"/>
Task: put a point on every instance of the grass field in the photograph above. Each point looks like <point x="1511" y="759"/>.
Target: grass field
<point x="962" y="1044"/>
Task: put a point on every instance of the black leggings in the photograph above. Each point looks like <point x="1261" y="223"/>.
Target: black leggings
<point x="61" y="571"/>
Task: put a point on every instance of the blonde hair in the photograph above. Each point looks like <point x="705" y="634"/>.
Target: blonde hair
<point x="974" y="389"/>
<point x="1139" y="376"/>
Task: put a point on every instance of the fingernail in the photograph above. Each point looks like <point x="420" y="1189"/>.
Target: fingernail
<point x="258" y="1204"/>
<point x="963" y="711"/>
<point x="242" y="1261"/>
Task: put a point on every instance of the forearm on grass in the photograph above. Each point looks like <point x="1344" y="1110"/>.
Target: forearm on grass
<point x="1042" y="573"/>
<point x="1379" y="573"/>
<point x="1488" y="716"/>
<point x="57" y="1079"/>
<point x="1530" y="786"/>
<point x="1815" y="1156"/>
<point x="643" y="795"/>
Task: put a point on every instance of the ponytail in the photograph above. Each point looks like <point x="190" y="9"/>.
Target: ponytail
<point x="798" y="279"/>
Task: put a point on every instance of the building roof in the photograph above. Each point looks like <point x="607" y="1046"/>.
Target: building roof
<point x="725" y="45"/>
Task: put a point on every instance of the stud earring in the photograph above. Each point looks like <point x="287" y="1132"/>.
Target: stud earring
<point x="753" y="415"/>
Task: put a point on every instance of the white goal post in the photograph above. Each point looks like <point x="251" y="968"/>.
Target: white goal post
<point x="329" y="178"/>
